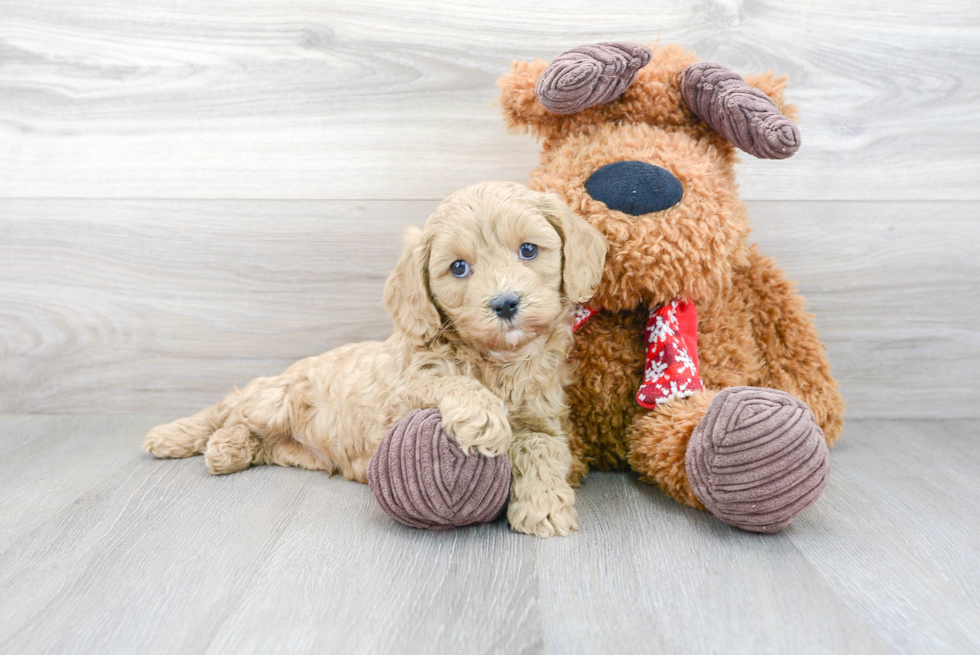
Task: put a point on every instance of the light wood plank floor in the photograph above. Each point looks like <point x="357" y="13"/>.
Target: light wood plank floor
<point x="104" y="549"/>
<point x="189" y="195"/>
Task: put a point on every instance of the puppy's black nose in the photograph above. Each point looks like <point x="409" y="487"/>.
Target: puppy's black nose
<point x="505" y="305"/>
<point x="635" y="187"/>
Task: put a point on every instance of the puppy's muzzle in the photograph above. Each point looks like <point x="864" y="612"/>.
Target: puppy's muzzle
<point x="505" y="305"/>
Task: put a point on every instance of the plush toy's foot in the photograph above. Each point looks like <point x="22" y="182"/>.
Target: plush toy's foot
<point x="757" y="458"/>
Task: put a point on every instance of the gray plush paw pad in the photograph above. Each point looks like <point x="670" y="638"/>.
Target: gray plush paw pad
<point x="757" y="458"/>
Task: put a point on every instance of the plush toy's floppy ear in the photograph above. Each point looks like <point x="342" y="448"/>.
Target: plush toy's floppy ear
<point x="773" y="85"/>
<point x="590" y="75"/>
<point x="522" y="111"/>
<point x="406" y="293"/>
<point x="744" y="114"/>
<point x="583" y="248"/>
<point x="537" y="96"/>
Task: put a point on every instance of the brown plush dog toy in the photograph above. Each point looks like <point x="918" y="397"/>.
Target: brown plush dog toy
<point x="697" y="363"/>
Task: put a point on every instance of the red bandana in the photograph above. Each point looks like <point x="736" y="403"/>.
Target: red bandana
<point x="672" y="352"/>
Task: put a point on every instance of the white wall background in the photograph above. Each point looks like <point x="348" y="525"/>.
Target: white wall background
<point x="196" y="193"/>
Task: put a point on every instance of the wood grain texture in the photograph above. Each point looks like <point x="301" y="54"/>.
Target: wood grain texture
<point x="193" y="194"/>
<point x="385" y="99"/>
<point x="913" y="486"/>
<point x="158" y="556"/>
<point x="387" y="589"/>
<point x="678" y="581"/>
<point x="49" y="461"/>
<point x="163" y="306"/>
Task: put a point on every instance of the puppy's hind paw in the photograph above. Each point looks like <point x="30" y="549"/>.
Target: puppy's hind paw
<point x="230" y="449"/>
<point x="477" y="422"/>
<point x="175" y="440"/>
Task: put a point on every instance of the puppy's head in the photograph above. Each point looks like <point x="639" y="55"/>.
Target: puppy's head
<point x="497" y="265"/>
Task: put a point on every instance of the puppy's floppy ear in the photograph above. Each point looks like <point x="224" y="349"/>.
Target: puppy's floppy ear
<point x="406" y="294"/>
<point x="583" y="249"/>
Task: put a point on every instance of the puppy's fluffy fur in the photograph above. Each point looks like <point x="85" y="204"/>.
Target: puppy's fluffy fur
<point x="498" y="383"/>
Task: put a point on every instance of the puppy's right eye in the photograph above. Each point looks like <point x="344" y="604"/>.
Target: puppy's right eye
<point x="460" y="268"/>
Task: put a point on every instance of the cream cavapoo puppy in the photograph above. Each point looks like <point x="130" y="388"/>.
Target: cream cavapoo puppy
<point x="481" y="301"/>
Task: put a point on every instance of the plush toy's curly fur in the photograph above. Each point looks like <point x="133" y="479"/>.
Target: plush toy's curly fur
<point x="497" y="383"/>
<point x="753" y="329"/>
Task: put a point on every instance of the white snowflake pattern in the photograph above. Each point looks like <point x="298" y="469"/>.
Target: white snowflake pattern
<point x="664" y="324"/>
<point x="674" y="390"/>
<point x="670" y="370"/>
<point x="580" y="314"/>
<point x="685" y="361"/>
<point x="654" y="370"/>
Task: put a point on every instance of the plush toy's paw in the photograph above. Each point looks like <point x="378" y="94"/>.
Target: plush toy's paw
<point x="421" y="479"/>
<point x="544" y="512"/>
<point x="478" y="422"/>
<point x="757" y="458"/>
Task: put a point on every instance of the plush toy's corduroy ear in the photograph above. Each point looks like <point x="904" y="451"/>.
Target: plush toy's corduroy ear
<point x="590" y="75"/>
<point x="583" y="248"/>
<point x="773" y="85"/>
<point x="744" y="114"/>
<point x="537" y="96"/>
<point x="406" y="293"/>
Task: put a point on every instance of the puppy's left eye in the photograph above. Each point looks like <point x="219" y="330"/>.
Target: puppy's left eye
<point x="527" y="251"/>
<point x="460" y="268"/>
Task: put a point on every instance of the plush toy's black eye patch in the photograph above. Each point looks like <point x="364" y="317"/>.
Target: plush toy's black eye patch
<point x="635" y="187"/>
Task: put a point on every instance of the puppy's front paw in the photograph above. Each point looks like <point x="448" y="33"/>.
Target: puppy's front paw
<point x="477" y="421"/>
<point x="544" y="512"/>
